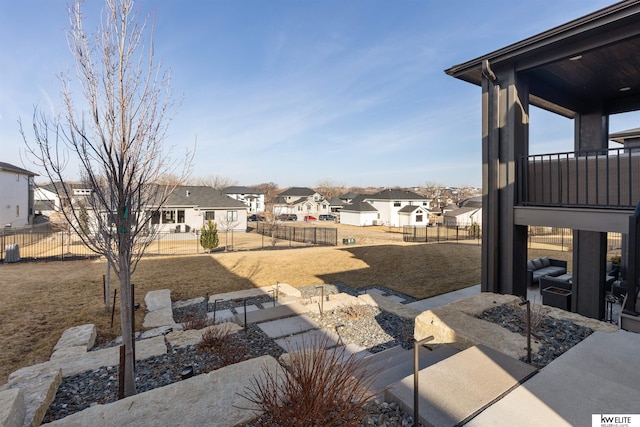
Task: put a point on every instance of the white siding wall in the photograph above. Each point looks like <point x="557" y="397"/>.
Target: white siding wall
<point x="358" y="218"/>
<point x="14" y="199"/>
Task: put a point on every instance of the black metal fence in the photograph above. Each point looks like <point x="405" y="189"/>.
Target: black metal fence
<point x="308" y="235"/>
<point x="416" y="234"/>
<point x="44" y="242"/>
<point x="562" y="238"/>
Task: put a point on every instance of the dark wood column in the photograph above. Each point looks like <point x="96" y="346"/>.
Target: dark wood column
<point x="589" y="247"/>
<point x="505" y="138"/>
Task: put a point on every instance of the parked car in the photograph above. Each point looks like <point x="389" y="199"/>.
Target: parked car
<point x="327" y="217"/>
<point x="309" y="218"/>
<point x="287" y="217"/>
<point x="255" y="217"/>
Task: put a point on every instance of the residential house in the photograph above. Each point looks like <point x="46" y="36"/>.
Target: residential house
<point x="188" y="208"/>
<point x="52" y="197"/>
<point x="16" y="196"/>
<point x="463" y="217"/>
<point x="389" y="205"/>
<point x="585" y="70"/>
<point x="251" y="197"/>
<point x="302" y="202"/>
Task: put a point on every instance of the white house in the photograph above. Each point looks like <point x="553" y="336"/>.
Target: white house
<point x="463" y="217"/>
<point x="392" y="207"/>
<point x="188" y="208"/>
<point x="251" y="197"/>
<point x="16" y="196"/>
<point x="302" y="202"/>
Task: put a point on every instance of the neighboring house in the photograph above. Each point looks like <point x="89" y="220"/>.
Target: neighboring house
<point x="413" y="215"/>
<point x="463" y="217"/>
<point x="188" y="208"/>
<point x="52" y="197"/>
<point x="16" y="196"/>
<point x="585" y="70"/>
<point x="251" y="197"/>
<point x="302" y="202"/>
<point x="387" y="205"/>
<point x="359" y="212"/>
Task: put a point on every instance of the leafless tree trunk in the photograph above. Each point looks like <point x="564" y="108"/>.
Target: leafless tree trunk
<point x="116" y="132"/>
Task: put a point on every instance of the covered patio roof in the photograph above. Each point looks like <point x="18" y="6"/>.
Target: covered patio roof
<point x="588" y="63"/>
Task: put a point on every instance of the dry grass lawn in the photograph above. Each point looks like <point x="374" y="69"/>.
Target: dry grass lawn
<point x="39" y="300"/>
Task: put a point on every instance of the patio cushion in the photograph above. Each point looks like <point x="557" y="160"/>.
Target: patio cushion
<point x="537" y="263"/>
<point x="530" y="265"/>
<point x="545" y="261"/>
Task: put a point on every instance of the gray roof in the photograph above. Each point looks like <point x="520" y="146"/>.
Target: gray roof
<point x="350" y="195"/>
<point x="11" y="168"/>
<point x="358" y="205"/>
<point x="297" y="191"/>
<point x="238" y="189"/>
<point x="336" y="201"/>
<point x="395" y="194"/>
<point x="411" y="208"/>
<point x="202" y="196"/>
<point x="625" y="135"/>
<point x="472" y="202"/>
<point x="460" y="211"/>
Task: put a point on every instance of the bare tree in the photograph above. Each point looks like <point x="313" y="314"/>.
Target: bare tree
<point x="215" y="181"/>
<point x="271" y="217"/>
<point x="116" y="131"/>
<point x="329" y="189"/>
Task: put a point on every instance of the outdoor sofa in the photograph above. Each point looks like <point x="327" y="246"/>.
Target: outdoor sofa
<point x="544" y="266"/>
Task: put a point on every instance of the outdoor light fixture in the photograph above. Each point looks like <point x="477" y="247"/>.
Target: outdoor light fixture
<point x="625" y="89"/>
<point x="575" y="58"/>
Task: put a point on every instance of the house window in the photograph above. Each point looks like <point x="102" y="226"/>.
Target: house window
<point x="232" y="216"/>
<point x="324" y="207"/>
<point x="424" y="203"/>
<point x="308" y="208"/>
<point x="396" y="204"/>
<point x="181" y="217"/>
<point x="209" y="215"/>
<point x="418" y="218"/>
<point x="155" y="218"/>
<point x="168" y="217"/>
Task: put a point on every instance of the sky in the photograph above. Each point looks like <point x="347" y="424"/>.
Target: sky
<point x="297" y="92"/>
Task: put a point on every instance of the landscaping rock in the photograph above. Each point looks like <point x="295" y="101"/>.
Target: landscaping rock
<point x="386" y="304"/>
<point x="63" y="352"/>
<point x="95" y="359"/>
<point x="194" y="336"/>
<point x="211" y="399"/>
<point x="83" y="335"/>
<point x="158" y="318"/>
<point x="158" y="300"/>
<point x="38" y="389"/>
<point x="12" y="408"/>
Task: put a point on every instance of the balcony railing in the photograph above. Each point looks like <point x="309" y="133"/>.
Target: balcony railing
<point x="588" y="179"/>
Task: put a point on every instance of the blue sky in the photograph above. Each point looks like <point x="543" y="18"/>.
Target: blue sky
<point x="294" y="92"/>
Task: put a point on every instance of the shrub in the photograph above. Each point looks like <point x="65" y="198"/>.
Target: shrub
<point x="197" y="323"/>
<point x="355" y="311"/>
<point x="318" y="387"/>
<point x="209" y="236"/>
<point x="222" y="342"/>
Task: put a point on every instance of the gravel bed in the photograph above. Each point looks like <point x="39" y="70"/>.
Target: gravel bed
<point x="366" y="326"/>
<point x="556" y="336"/>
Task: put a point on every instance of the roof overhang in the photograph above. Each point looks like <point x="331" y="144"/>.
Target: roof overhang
<point x="586" y="64"/>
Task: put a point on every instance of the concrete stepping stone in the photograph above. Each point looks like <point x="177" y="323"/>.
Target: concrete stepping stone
<point x="82" y="335"/>
<point x="204" y="400"/>
<point x="283" y="289"/>
<point x="272" y="313"/>
<point x="309" y="339"/>
<point x="250" y="308"/>
<point x="38" y="389"/>
<point x="12" y="408"/>
<point x="387" y="304"/>
<point x="374" y="291"/>
<point x="396" y="298"/>
<point x="96" y="359"/>
<point x="456" y="389"/>
<point x="288" y="326"/>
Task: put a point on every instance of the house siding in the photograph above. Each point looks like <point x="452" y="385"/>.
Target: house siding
<point x="15" y="199"/>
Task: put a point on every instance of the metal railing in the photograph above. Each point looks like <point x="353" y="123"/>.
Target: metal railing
<point x="589" y="178"/>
